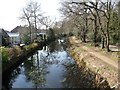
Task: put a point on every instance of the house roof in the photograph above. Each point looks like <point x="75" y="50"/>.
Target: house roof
<point x="13" y="34"/>
<point x="22" y="30"/>
<point x="25" y="30"/>
<point x="16" y="29"/>
<point x="3" y="33"/>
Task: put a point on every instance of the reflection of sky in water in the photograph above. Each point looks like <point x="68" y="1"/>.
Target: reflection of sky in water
<point x="55" y="70"/>
<point x="44" y="68"/>
<point x="61" y="55"/>
<point x="20" y="81"/>
<point x="54" y="77"/>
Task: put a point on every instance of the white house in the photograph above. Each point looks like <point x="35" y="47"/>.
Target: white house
<point x="14" y="38"/>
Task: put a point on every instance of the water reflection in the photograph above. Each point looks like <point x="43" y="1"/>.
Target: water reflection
<point x="10" y="79"/>
<point x="72" y="76"/>
<point x="50" y="67"/>
<point x="35" y="71"/>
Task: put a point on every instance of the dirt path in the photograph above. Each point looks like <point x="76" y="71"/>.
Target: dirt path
<point x="99" y="62"/>
<point x="96" y="54"/>
<point x="102" y="57"/>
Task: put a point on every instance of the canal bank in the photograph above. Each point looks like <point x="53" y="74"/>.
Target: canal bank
<point x="15" y="61"/>
<point x="18" y="56"/>
<point x="52" y="67"/>
<point x="44" y="69"/>
<point x="85" y="58"/>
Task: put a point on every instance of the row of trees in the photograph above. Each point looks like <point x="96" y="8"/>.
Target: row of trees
<point x="94" y="20"/>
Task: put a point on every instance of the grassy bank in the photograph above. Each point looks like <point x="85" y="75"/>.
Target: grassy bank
<point x="103" y="75"/>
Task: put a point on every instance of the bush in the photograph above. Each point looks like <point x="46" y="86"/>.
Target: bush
<point x="31" y="46"/>
<point x="10" y="53"/>
<point x="4" y="53"/>
<point x="26" y="48"/>
<point x="17" y="51"/>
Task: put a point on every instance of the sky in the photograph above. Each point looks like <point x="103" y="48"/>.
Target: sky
<point x="11" y="10"/>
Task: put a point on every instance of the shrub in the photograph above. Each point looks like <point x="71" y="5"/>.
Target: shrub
<point x="17" y="50"/>
<point x="31" y="46"/>
<point x="26" y="48"/>
<point x="4" y="53"/>
<point x="9" y="53"/>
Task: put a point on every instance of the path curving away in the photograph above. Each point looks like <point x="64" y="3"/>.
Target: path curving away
<point x="96" y="54"/>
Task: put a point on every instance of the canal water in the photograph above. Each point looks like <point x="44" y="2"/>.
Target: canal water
<point x="51" y="67"/>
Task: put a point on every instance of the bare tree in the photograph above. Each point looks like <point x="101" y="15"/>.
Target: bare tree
<point x="106" y="10"/>
<point x="71" y="9"/>
<point x="27" y="16"/>
<point x="107" y="13"/>
<point x="98" y="11"/>
<point x="35" y="8"/>
<point x="30" y="14"/>
<point x="46" y="21"/>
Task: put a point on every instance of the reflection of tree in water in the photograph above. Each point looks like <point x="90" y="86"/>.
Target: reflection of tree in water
<point x="35" y="71"/>
<point x="83" y="78"/>
<point x="10" y="79"/>
<point x="65" y="44"/>
<point x="36" y="67"/>
<point x="77" y="78"/>
<point x="72" y="77"/>
<point x="52" y="50"/>
<point x="54" y="47"/>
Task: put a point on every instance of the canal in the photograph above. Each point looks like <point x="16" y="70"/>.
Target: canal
<point x="51" y="67"/>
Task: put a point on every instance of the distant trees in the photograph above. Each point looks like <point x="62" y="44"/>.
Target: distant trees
<point x="30" y="14"/>
<point x="100" y="18"/>
<point x="47" y="22"/>
<point x="51" y="34"/>
<point x="35" y="18"/>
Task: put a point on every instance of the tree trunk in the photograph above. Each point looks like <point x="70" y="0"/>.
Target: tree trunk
<point x="83" y="34"/>
<point x="84" y="38"/>
<point x="103" y="42"/>
<point x="107" y="37"/>
<point x="35" y="28"/>
<point x="85" y="29"/>
<point x="95" y="31"/>
<point x="107" y="44"/>
<point x="30" y="31"/>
